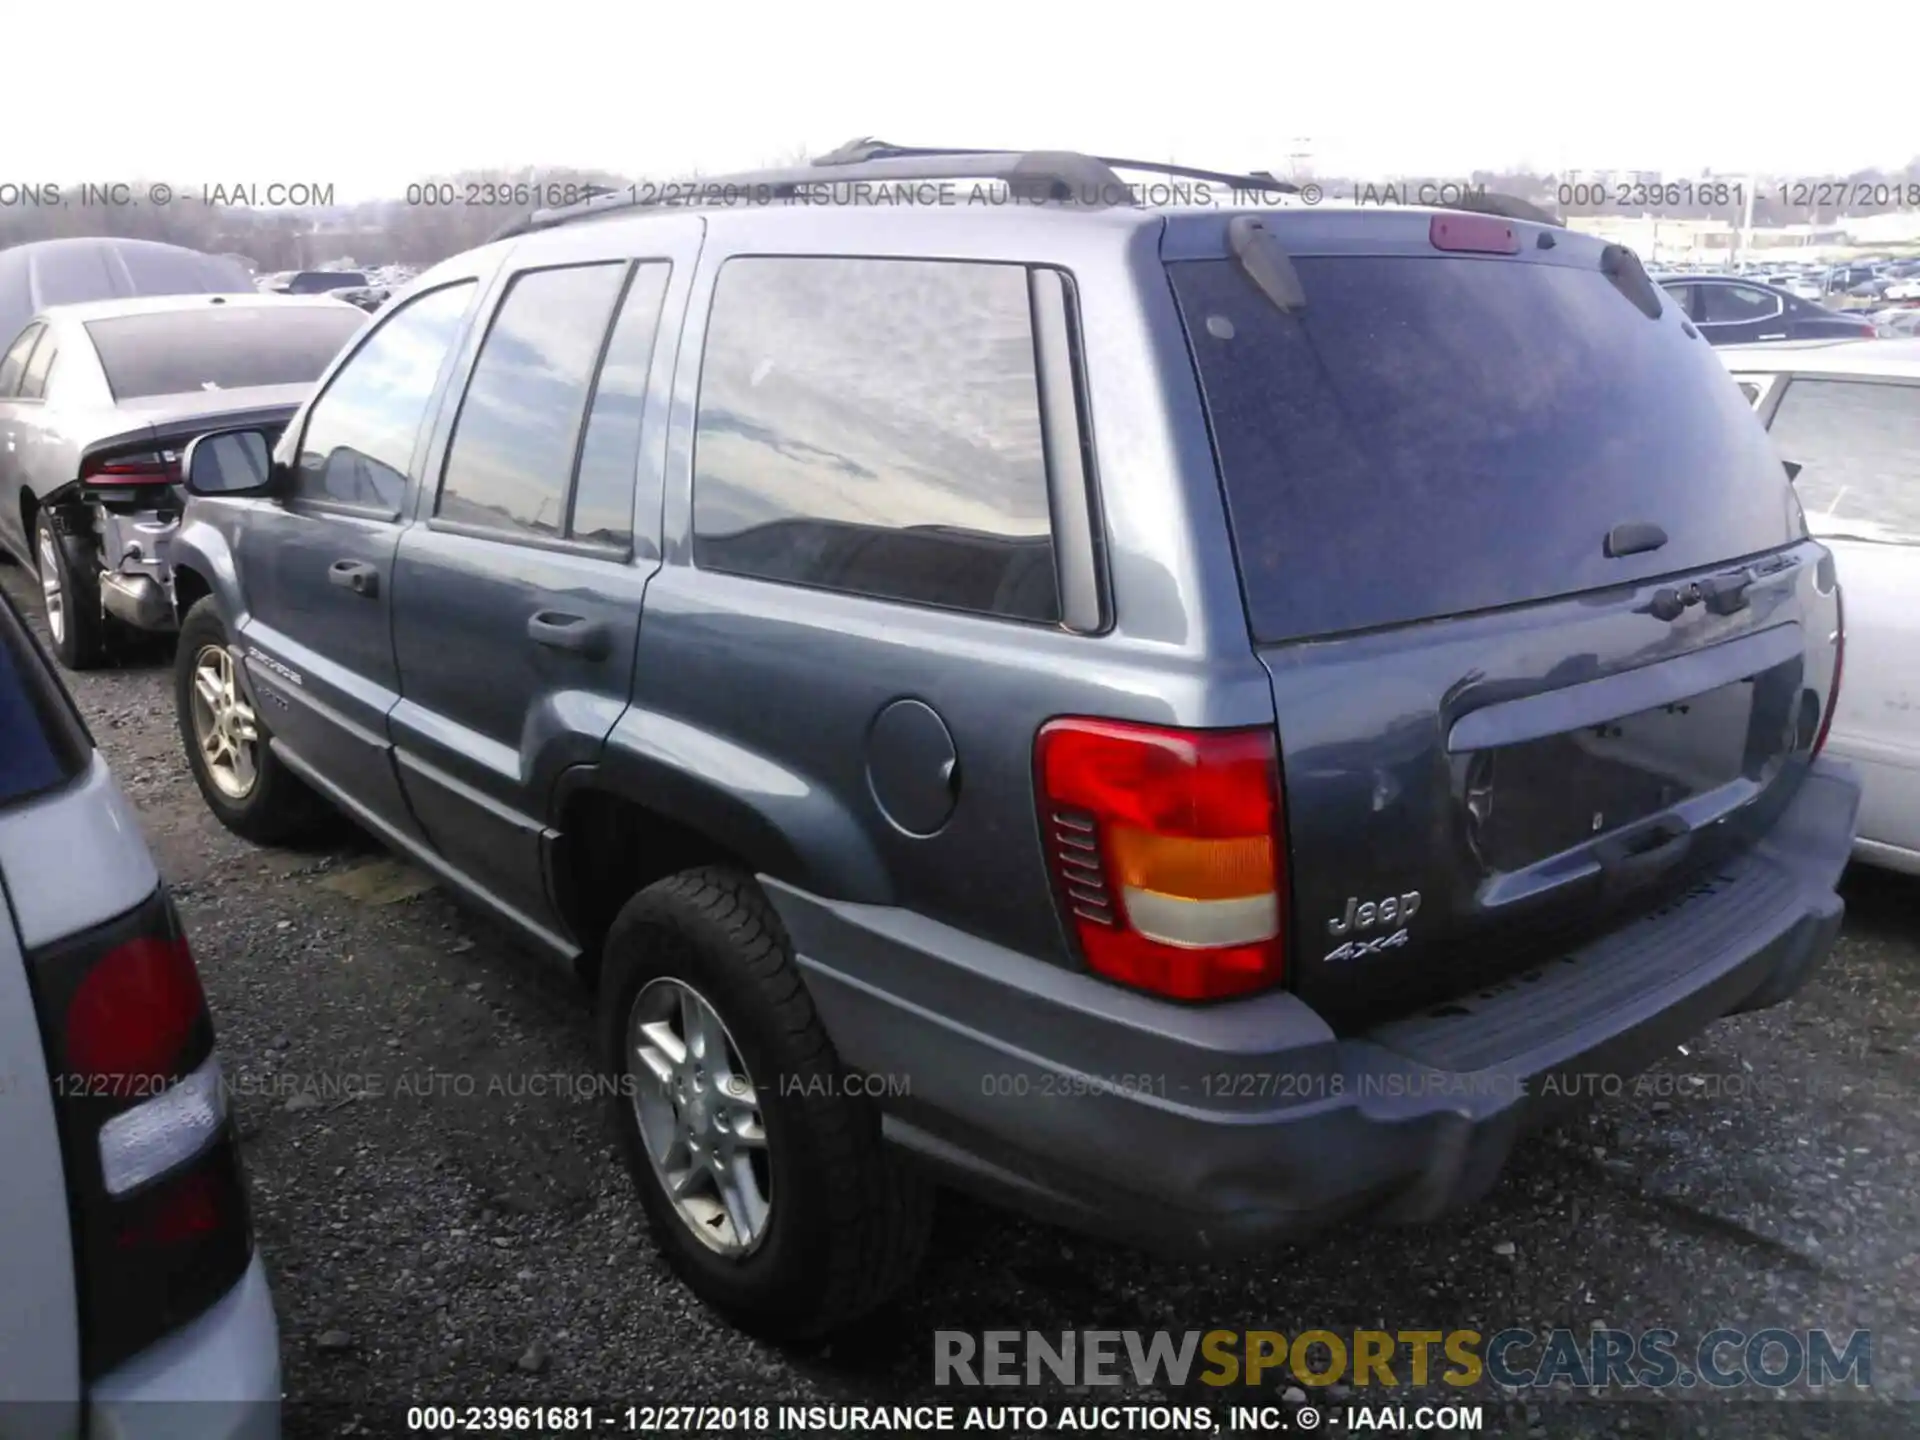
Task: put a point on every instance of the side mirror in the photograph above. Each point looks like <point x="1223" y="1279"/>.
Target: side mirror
<point x="1793" y="470"/>
<point x="229" y="462"/>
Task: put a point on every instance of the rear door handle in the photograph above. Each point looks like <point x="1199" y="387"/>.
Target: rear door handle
<point x="573" y="633"/>
<point x="355" y="575"/>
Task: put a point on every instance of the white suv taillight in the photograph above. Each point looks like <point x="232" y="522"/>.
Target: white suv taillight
<point x="154" y="1186"/>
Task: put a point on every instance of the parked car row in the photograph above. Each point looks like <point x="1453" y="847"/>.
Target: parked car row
<point x="1410" y="723"/>
<point x="1847" y="284"/>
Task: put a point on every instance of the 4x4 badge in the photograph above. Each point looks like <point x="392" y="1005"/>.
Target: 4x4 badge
<point x="1355" y="949"/>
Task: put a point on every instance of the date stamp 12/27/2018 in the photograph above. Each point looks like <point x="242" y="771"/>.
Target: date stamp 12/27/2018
<point x="1819" y="196"/>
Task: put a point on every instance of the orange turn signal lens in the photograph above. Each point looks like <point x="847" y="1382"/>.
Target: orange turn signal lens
<point x="1190" y="869"/>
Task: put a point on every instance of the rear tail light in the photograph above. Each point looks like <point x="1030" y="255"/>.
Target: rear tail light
<point x="1839" y="662"/>
<point x="1167" y="853"/>
<point x="157" y="1198"/>
<point x="134" y="1012"/>
<point x="152" y="467"/>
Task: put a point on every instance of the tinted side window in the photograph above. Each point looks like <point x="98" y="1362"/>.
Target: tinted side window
<point x="360" y="434"/>
<point x="1732" y="303"/>
<point x="1858" y="447"/>
<point x="33" y="380"/>
<point x="15" y="362"/>
<point x="511" y="457"/>
<point x="873" y="426"/>
<point x="41" y="742"/>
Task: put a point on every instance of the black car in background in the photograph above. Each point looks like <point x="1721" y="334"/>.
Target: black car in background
<point x="1735" y="311"/>
<point x="320" y="282"/>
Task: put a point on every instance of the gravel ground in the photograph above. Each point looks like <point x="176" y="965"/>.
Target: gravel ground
<point x="444" y="1223"/>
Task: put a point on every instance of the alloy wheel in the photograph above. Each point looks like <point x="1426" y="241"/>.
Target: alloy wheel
<point x="223" y="723"/>
<point x="50" y="588"/>
<point x="699" y="1117"/>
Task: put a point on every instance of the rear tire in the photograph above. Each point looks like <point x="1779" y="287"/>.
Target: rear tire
<point x="70" y="599"/>
<point x="845" y="1220"/>
<point x="261" y="799"/>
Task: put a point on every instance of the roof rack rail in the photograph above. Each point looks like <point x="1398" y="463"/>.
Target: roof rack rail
<point x="1062" y="176"/>
<point x="1055" y="175"/>
<point x="860" y="151"/>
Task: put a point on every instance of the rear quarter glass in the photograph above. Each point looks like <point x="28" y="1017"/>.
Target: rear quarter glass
<point x="1434" y="436"/>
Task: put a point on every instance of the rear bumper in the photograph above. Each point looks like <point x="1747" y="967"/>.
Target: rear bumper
<point x="1211" y="1130"/>
<point x="217" y="1378"/>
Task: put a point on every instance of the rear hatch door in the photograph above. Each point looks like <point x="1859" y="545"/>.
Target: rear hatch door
<point x="1546" y="637"/>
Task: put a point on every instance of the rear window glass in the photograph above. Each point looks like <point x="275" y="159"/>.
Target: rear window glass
<point x="1430" y="437"/>
<point x="173" y="352"/>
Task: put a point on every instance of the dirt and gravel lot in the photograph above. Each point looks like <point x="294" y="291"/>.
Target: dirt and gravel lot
<point x="445" y="1222"/>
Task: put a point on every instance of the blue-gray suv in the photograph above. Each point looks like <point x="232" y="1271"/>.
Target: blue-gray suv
<point x="1197" y="720"/>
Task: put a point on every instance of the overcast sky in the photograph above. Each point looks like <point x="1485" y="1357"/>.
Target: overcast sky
<point x="369" y="96"/>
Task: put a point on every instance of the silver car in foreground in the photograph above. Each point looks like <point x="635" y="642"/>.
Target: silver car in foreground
<point x="1846" y="414"/>
<point x="128" y="1274"/>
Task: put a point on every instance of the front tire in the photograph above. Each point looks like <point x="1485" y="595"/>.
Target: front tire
<point x="764" y="1176"/>
<point x="70" y="597"/>
<point x="248" y="788"/>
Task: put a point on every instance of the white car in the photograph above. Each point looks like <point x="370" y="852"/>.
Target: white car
<point x="1847" y="413"/>
<point x="128" y="1274"/>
